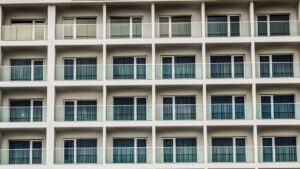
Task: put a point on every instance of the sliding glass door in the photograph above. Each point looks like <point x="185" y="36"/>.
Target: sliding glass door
<point x="80" y="151"/>
<point x="175" y="26"/>
<point x="227" y="67"/>
<point x="178" y="67"/>
<point x="276" y="66"/>
<point x="179" y="108"/>
<point x="126" y="27"/>
<point x="273" y="25"/>
<point x="26" y="110"/>
<point x="227" y="107"/>
<point x="129" y="68"/>
<point x="25" y="152"/>
<point x="79" y="28"/>
<point x="80" y="69"/>
<point x="129" y="150"/>
<point x="130" y="108"/>
<point x="80" y="110"/>
<point x="223" y="26"/>
<point x="26" y="69"/>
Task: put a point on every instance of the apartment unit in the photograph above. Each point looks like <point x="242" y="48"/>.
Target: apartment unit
<point x="149" y="84"/>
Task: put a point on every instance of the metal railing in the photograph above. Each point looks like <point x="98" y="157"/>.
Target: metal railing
<point x="229" y="154"/>
<point x="78" y="31"/>
<point x="178" y="30"/>
<point x="23" y="114"/>
<point x="78" y="113"/>
<point x="228" y="70"/>
<point x="128" y="71"/>
<point x="129" y="30"/>
<point x="78" y="72"/>
<point x="24" y="32"/>
<point x="128" y="113"/>
<point x="178" y="71"/>
<point x="78" y="155"/>
<point x="128" y="155"/>
<point x="179" y="112"/>
<point x="23" y="73"/>
<point x="229" y="111"/>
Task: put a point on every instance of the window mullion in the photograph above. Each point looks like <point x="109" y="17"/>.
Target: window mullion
<point x="74" y="28"/>
<point x="33" y="30"/>
<point x="173" y="108"/>
<point x="170" y="26"/>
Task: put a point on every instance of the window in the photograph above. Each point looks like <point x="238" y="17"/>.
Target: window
<point x="25" y="152"/>
<point x="126" y="27"/>
<point x="179" y="108"/>
<point x="80" y="151"/>
<point x="129" y="67"/>
<point x="80" y="110"/>
<point x="277" y="106"/>
<point x="80" y="69"/>
<point x="273" y="25"/>
<point x="228" y="107"/>
<point x="276" y="66"/>
<point x="27" y="30"/>
<point x="178" y="67"/>
<point x="229" y="149"/>
<point x="223" y="26"/>
<point x="26" y="110"/>
<point x="129" y="150"/>
<point x="227" y="66"/>
<point x="175" y="26"/>
<point x="279" y="149"/>
<point x="130" y="108"/>
<point x="179" y="150"/>
<point x="79" y="28"/>
<point x="26" y="69"/>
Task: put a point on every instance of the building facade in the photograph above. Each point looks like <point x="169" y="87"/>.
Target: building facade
<point x="146" y="84"/>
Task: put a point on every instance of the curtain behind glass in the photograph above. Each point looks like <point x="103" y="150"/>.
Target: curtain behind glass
<point x="86" y="110"/>
<point x="137" y="27"/>
<point x="217" y="26"/>
<point x="38" y="70"/>
<point x="220" y="66"/>
<point x="279" y="25"/>
<point x="184" y="67"/>
<point x="20" y="69"/>
<point x="38" y="110"/>
<point x="86" y="69"/>
<point x="123" y="151"/>
<point x="37" y="152"/>
<point x="262" y="25"/>
<point x="264" y="66"/>
<point x="164" y="27"/>
<point x="141" y="68"/>
<point x="285" y="149"/>
<point x="284" y="106"/>
<point x="238" y="66"/>
<point x="266" y="107"/>
<point x="267" y="150"/>
<point x="123" y="108"/>
<point x="19" y="111"/>
<point x="141" y="109"/>
<point x="234" y="25"/>
<point x="141" y="151"/>
<point x="69" y="110"/>
<point x="222" y="150"/>
<point x="168" y="150"/>
<point x="282" y="66"/>
<point x="221" y="107"/>
<point x="86" y="151"/>
<point x="239" y="107"/>
<point x="86" y="28"/>
<point x="240" y="150"/>
<point x="68" y="24"/>
<point x="123" y="67"/>
<point x="119" y="27"/>
<point x="167" y="108"/>
<point x="19" y="152"/>
<point x="68" y="69"/>
<point x="186" y="150"/>
<point x="181" y="26"/>
<point x="185" y="107"/>
<point x="167" y="67"/>
<point x="69" y="150"/>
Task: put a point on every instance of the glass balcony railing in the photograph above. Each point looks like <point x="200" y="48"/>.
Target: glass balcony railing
<point x="277" y="28"/>
<point x="23" y="114"/>
<point x="226" y="29"/>
<point x="78" y="31"/>
<point x="178" y="71"/>
<point x="279" y="154"/>
<point x="23" y="73"/>
<point x="23" y="156"/>
<point x="129" y="30"/>
<point x="277" y="70"/>
<point x="24" y="32"/>
<point x="78" y="155"/>
<point x="179" y="112"/>
<point x="128" y="113"/>
<point x="230" y="154"/>
<point x="286" y="111"/>
<point x="179" y="155"/>
<point x="78" y="72"/>
<point x="228" y="70"/>
<point x="78" y="113"/>
<point x="229" y="111"/>
<point x="128" y="71"/>
<point x="178" y="30"/>
<point x="129" y="155"/>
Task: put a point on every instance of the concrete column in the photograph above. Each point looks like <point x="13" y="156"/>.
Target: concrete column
<point x="104" y="20"/>
<point x="253" y="60"/>
<point x="252" y="20"/>
<point x="104" y="145"/>
<point x="153" y="54"/>
<point x="153" y="20"/>
<point x="255" y="140"/>
<point x="204" y="65"/>
<point x="205" y="145"/>
<point x="104" y="53"/>
<point x="203" y="20"/>
<point x="153" y="144"/>
<point x="1" y="21"/>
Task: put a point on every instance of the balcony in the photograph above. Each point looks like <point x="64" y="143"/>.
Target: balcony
<point x="129" y="30"/>
<point x="24" y="32"/>
<point x="226" y="29"/>
<point x="23" y="156"/>
<point x="128" y="113"/>
<point x="23" y="114"/>
<point x="178" y="30"/>
<point x="129" y="155"/>
<point x="179" y="112"/>
<point x="167" y="155"/>
<point x="276" y="28"/>
<point x="178" y="71"/>
<point x="24" y="73"/>
<point x="228" y="70"/>
<point x="79" y="113"/>
<point x="78" y="155"/>
<point x="278" y="70"/>
<point x="230" y="154"/>
<point x="229" y="111"/>
<point x="78" y="72"/>
<point x="128" y="72"/>
<point x="287" y="111"/>
<point x="279" y="154"/>
<point x="78" y="31"/>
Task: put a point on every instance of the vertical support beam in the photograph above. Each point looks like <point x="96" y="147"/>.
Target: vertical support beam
<point x="253" y="65"/>
<point x="153" y="144"/>
<point x="299" y="10"/>
<point x="203" y="53"/>
<point x="104" y="26"/>
<point x="104" y="56"/>
<point x="255" y="144"/>
<point x="1" y="21"/>
<point x="104" y="95"/>
<point x="153" y="20"/>
<point x="153" y="54"/>
<point x="104" y="145"/>
<point x="50" y="132"/>
<point x="252" y="20"/>
<point x="153" y="102"/>
<point x="205" y="148"/>
<point x="203" y="20"/>
<point x="205" y="145"/>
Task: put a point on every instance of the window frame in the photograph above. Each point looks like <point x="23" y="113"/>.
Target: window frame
<point x="228" y="23"/>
